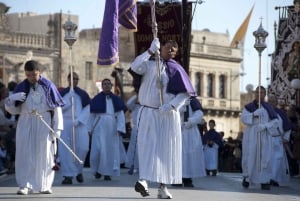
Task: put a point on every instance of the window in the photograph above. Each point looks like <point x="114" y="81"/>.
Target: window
<point x="222" y="85"/>
<point x="88" y="70"/>
<point x="198" y="83"/>
<point x="210" y="85"/>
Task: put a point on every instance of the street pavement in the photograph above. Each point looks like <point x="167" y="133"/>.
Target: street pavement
<point x="223" y="187"/>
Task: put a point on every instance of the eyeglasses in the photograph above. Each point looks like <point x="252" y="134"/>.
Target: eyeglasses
<point x="76" y="79"/>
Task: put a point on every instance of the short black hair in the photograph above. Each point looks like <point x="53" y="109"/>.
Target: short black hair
<point x="31" y="65"/>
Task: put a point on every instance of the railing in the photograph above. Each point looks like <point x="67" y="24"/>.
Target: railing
<point x="25" y="40"/>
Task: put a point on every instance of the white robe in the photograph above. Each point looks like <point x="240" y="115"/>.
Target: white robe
<point x="159" y="135"/>
<point x="211" y="155"/>
<point x="69" y="165"/>
<point x="105" y="147"/>
<point x="193" y="165"/>
<point x="132" y="151"/>
<point x="34" y="147"/>
<point x="280" y="167"/>
<point x="256" y="173"/>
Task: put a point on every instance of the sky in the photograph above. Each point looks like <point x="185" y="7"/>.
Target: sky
<point x="216" y="15"/>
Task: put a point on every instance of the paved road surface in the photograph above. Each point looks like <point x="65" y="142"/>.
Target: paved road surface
<point x="224" y="187"/>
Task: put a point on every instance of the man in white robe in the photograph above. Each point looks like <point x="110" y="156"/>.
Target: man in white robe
<point x="280" y="140"/>
<point x="106" y="125"/>
<point x="159" y="128"/>
<point x="79" y="140"/>
<point x="35" y="100"/>
<point x="132" y="152"/>
<point x="261" y="122"/>
<point x="193" y="165"/>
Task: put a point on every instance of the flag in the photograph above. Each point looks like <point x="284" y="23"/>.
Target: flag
<point x="239" y="36"/>
<point x="116" y="12"/>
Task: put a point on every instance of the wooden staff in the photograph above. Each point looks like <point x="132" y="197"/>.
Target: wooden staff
<point x="157" y="56"/>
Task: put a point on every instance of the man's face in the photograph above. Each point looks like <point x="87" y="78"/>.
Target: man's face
<point x="168" y="51"/>
<point x="32" y="76"/>
<point x="262" y="94"/>
<point x="106" y="86"/>
<point x="75" y="80"/>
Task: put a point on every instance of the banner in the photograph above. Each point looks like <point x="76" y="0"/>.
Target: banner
<point x="169" y="24"/>
<point x="116" y="12"/>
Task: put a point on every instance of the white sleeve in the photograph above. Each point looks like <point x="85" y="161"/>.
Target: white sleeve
<point x="179" y="100"/>
<point x="196" y="117"/>
<point x="10" y="107"/>
<point x="139" y="64"/>
<point x="58" y="123"/>
<point x="247" y="117"/>
<point x="121" y="121"/>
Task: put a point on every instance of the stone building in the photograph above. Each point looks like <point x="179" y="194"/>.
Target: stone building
<point x="215" y="65"/>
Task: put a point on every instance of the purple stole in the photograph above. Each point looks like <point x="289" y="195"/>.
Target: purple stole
<point x="53" y="97"/>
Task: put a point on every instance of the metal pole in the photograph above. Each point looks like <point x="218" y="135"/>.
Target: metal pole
<point x="259" y="118"/>
<point x="72" y="102"/>
<point x="157" y="56"/>
<point x="61" y="140"/>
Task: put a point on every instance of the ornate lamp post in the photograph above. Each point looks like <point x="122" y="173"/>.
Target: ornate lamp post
<point x="70" y="39"/>
<point x="260" y="37"/>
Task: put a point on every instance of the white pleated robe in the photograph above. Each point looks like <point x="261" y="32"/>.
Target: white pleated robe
<point x="159" y="135"/>
<point x="280" y="167"/>
<point x="34" y="148"/>
<point x="193" y="164"/>
<point x="132" y="151"/>
<point x="257" y="174"/>
<point x="69" y="166"/>
<point x="105" y="146"/>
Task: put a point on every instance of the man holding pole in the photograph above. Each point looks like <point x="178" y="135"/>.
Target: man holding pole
<point x="35" y="139"/>
<point x="261" y="121"/>
<point x="161" y="94"/>
<point x="69" y="166"/>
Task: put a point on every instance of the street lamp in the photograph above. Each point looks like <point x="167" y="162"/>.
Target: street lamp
<point x="260" y="37"/>
<point x="70" y="39"/>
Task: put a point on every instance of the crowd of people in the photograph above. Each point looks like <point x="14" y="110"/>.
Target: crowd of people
<point x="45" y="129"/>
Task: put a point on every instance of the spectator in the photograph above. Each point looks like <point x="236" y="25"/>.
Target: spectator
<point x="212" y="141"/>
<point x="3" y="157"/>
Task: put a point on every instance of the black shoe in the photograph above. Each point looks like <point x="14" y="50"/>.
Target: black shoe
<point x="189" y="185"/>
<point x="245" y="183"/>
<point x="141" y="189"/>
<point x="187" y="182"/>
<point x="67" y="180"/>
<point x="97" y="175"/>
<point x="107" y="178"/>
<point x="214" y="173"/>
<point x="207" y="172"/>
<point x="79" y="178"/>
<point x="274" y="183"/>
<point x="265" y="186"/>
<point x="177" y="185"/>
